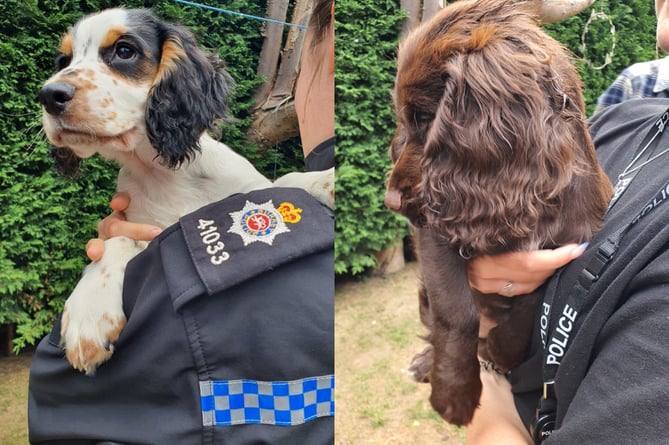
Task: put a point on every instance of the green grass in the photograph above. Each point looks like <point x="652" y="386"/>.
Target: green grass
<point x="377" y="334"/>
<point x="14" y="399"/>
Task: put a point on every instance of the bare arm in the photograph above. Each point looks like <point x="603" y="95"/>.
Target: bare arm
<point x="496" y="421"/>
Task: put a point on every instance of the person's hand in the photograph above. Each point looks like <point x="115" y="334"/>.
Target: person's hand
<point x="518" y="273"/>
<point x="116" y="225"/>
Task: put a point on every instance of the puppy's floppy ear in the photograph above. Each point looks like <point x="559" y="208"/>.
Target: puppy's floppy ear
<point x="189" y="93"/>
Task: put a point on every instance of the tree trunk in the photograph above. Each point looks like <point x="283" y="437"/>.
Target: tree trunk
<point x="430" y="8"/>
<point x="413" y="10"/>
<point x="271" y="49"/>
<point x="275" y="119"/>
<point x="273" y="126"/>
<point x="556" y="10"/>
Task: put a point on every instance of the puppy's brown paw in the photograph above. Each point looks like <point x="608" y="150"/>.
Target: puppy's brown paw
<point x="456" y="401"/>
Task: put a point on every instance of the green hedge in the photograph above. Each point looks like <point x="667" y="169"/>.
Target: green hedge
<point x="366" y="45"/>
<point x="45" y="220"/>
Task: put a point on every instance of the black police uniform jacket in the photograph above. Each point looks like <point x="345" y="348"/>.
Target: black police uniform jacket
<point x="612" y="384"/>
<point x="226" y="345"/>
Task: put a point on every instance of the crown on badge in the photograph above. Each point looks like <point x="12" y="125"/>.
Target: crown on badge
<point x="289" y="212"/>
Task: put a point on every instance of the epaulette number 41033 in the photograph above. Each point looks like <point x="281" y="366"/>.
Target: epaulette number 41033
<point x="211" y="238"/>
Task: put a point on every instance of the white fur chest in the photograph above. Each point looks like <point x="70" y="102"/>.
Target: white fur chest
<point x="160" y="196"/>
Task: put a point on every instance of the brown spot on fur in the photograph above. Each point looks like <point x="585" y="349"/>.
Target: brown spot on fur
<point x="88" y="72"/>
<point x="66" y="44"/>
<point x="330" y="187"/>
<point x="114" y="33"/>
<point x="87" y="81"/>
<point x="117" y="326"/>
<point x="87" y="355"/>
<point x="481" y="36"/>
<point x="81" y="79"/>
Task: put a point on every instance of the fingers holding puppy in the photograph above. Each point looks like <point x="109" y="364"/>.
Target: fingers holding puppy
<point x="518" y="273"/>
<point x="116" y="225"/>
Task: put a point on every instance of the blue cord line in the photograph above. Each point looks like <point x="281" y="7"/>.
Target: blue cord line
<point x="225" y="11"/>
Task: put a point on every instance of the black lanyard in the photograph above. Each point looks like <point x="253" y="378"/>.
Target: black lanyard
<point x="557" y="340"/>
<point x="641" y="156"/>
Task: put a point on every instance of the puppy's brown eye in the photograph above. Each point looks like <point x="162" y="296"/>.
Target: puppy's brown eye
<point x="124" y="51"/>
<point x="62" y="61"/>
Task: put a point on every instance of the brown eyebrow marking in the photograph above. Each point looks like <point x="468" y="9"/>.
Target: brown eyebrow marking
<point x="114" y="33"/>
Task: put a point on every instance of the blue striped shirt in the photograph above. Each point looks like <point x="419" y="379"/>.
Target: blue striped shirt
<point x="644" y="79"/>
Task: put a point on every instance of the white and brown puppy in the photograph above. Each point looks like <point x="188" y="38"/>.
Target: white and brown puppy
<point x="140" y="92"/>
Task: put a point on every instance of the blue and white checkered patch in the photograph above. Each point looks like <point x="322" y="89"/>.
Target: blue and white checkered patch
<point x="238" y="402"/>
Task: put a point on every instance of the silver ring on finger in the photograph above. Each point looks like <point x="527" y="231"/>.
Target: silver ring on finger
<point x="507" y="289"/>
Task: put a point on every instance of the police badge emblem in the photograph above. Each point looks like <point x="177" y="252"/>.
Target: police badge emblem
<point x="258" y="222"/>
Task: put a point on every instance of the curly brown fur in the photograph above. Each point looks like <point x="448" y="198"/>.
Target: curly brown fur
<point x="491" y="154"/>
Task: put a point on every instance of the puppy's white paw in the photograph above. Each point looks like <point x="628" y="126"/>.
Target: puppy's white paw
<point x="89" y="341"/>
<point x="319" y="184"/>
<point x="93" y="316"/>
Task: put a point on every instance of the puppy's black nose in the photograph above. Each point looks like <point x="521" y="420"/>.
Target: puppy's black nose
<point x="55" y="96"/>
